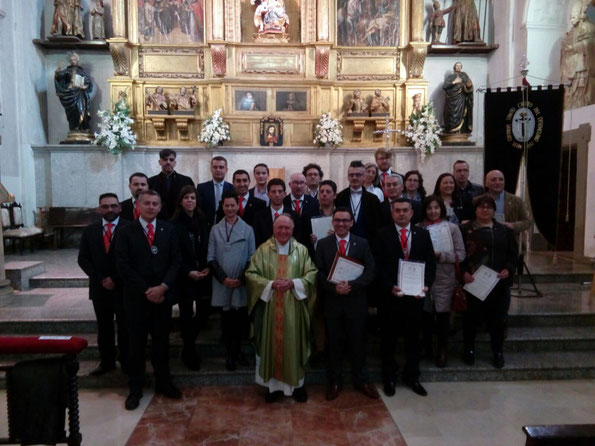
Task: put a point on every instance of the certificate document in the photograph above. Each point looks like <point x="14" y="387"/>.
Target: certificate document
<point x="441" y="237"/>
<point x="411" y="277"/>
<point x="321" y="226"/>
<point x="485" y="281"/>
<point x="344" y="269"/>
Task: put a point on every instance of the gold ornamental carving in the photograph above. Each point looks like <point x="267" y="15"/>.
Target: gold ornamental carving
<point x="119" y="18"/>
<point x="322" y="61"/>
<point x="368" y="65"/>
<point x="271" y="62"/>
<point x="219" y="59"/>
<point x="172" y="63"/>
<point x="417" y="20"/>
<point x="417" y="59"/>
<point x="233" y="22"/>
<point x="120" y="56"/>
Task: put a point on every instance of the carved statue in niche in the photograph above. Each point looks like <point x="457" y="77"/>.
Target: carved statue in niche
<point x="379" y="105"/>
<point x="67" y="19"/>
<point x="157" y="101"/>
<point x="184" y="101"/>
<point x="97" y="24"/>
<point x="577" y="66"/>
<point x="465" y="22"/>
<point x="437" y="22"/>
<point x="356" y="105"/>
<point x="271" y="19"/>
<point x="76" y="8"/>
<point x="458" y="108"/>
<point x="416" y="109"/>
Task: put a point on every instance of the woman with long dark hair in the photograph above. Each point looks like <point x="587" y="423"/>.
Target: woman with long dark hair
<point x="458" y="210"/>
<point x="414" y="186"/>
<point x="193" y="232"/>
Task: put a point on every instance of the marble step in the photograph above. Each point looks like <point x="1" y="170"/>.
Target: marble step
<point x="519" y="366"/>
<point x="53" y="281"/>
<point x="20" y="273"/>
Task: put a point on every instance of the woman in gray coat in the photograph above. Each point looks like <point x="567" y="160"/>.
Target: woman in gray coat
<point x="231" y="245"/>
<point x="438" y="301"/>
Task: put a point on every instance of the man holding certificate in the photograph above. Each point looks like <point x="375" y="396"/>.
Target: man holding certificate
<point x="345" y="268"/>
<point x="406" y="269"/>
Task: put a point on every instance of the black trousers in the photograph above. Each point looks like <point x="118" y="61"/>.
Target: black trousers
<point x="400" y="316"/>
<point x="192" y="320"/>
<point x="233" y="328"/>
<point x="438" y="323"/>
<point x="146" y="318"/>
<point x="345" y="333"/>
<point x="107" y="307"/>
<point x="493" y="310"/>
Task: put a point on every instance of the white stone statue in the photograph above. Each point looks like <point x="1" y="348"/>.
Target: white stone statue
<point x="97" y="23"/>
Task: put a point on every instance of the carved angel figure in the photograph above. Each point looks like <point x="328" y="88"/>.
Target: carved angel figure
<point x="379" y="104"/>
<point x="356" y="103"/>
<point x="157" y="100"/>
<point x="270" y="16"/>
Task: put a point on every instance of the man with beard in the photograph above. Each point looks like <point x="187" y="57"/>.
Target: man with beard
<point x="137" y="183"/>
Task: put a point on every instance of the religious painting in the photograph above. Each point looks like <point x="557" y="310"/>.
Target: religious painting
<point x="171" y="21"/>
<point x="368" y="23"/>
<point x="291" y="101"/>
<point x="250" y="100"/>
<point x="271" y="132"/>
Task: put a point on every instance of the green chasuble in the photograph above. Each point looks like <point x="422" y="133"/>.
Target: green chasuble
<point x="281" y="325"/>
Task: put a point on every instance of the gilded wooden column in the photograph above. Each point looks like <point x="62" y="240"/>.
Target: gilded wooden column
<point x="417" y="20"/>
<point x="418" y="48"/>
<point x="119" y="17"/>
<point x="322" y="20"/>
<point x="218" y="20"/>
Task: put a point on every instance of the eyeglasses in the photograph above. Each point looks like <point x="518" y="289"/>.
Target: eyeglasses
<point x="341" y="220"/>
<point x="351" y="175"/>
<point x="413" y="180"/>
<point x="109" y="206"/>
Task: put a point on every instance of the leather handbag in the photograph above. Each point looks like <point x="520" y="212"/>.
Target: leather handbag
<point x="459" y="298"/>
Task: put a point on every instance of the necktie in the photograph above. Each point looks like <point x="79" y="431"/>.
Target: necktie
<point x="241" y="211"/>
<point x="107" y="236"/>
<point x="342" y="250"/>
<point x="383" y="178"/>
<point x="217" y="195"/>
<point x="136" y="210"/>
<point x="297" y="207"/>
<point x="276" y="214"/>
<point x="404" y="242"/>
<point x="150" y="234"/>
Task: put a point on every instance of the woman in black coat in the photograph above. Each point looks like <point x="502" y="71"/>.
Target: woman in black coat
<point x="458" y="209"/>
<point x="193" y="233"/>
<point x="492" y="244"/>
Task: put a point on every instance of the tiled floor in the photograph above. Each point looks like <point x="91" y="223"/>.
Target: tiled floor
<point x="454" y="414"/>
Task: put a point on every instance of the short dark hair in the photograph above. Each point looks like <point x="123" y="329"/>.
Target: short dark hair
<point x="276" y="182"/>
<point x="261" y="165"/>
<point x="219" y="158"/>
<point x="165" y="153"/>
<point x="420" y="186"/>
<point x="381" y="152"/>
<point x="108" y="195"/>
<point x="151" y="192"/>
<point x="330" y="183"/>
<point x="401" y="200"/>
<point x="137" y="174"/>
<point x="343" y="209"/>
<point x="240" y="172"/>
<point x="428" y="200"/>
<point x="310" y="166"/>
<point x="459" y="162"/>
<point x="230" y="194"/>
<point x="357" y="164"/>
<point x="483" y="199"/>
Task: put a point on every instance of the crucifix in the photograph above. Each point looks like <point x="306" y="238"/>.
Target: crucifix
<point x="386" y="130"/>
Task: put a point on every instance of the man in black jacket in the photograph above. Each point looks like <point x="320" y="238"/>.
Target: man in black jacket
<point x="168" y="183"/>
<point x="137" y="182"/>
<point x="97" y="259"/>
<point x="397" y="311"/>
<point x="344" y="304"/>
<point x="300" y="202"/>
<point x="211" y="191"/>
<point x="249" y="205"/>
<point x="148" y="261"/>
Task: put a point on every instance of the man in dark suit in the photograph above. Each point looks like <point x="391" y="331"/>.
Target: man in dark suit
<point x="383" y="159"/>
<point x="397" y="311"/>
<point x="97" y="259"/>
<point x="248" y="205"/>
<point x="263" y="220"/>
<point x="344" y="304"/>
<point x="364" y="205"/>
<point x="314" y="175"/>
<point x="393" y="188"/>
<point x="148" y="260"/>
<point x="303" y="204"/>
<point x="137" y="182"/>
<point x="211" y="191"/>
<point x="467" y="190"/>
<point x="168" y="183"/>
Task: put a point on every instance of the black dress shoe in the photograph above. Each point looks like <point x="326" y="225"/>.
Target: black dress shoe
<point x="368" y="389"/>
<point x="168" y="390"/>
<point x="469" y="357"/>
<point x="498" y="360"/>
<point x="332" y="391"/>
<point x="191" y="360"/>
<point x="272" y="397"/>
<point x="300" y="394"/>
<point x="102" y="369"/>
<point x="416" y="387"/>
<point x="389" y="388"/>
<point x="133" y="399"/>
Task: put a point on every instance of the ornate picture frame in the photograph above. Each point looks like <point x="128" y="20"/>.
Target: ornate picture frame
<point x="291" y="101"/>
<point x="378" y="27"/>
<point x="249" y="100"/>
<point x="271" y="131"/>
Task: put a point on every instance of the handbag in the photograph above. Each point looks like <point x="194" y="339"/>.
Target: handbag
<point x="459" y="298"/>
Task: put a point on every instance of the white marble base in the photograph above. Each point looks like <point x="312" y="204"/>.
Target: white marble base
<point x="75" y="175"/>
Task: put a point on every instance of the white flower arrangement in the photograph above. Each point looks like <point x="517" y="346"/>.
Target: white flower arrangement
<point x="423" y="131"/>
<point x="328" y="131"/>
<point x="214" y="130"/>
<point x="115" y="131"/>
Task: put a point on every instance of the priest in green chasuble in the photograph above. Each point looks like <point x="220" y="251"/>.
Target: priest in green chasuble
<point x="281" y="282"/>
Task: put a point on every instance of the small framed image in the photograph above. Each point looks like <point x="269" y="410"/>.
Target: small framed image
<point x="271" y="132"/>
<point x="250" y="100"/>
<point x="287" y="101"/>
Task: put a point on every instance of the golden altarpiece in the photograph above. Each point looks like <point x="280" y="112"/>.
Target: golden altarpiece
<point x="214" y="57"/>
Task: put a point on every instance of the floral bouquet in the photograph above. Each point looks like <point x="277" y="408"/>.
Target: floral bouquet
<point x="423" y="130"/>
<point x="214" y="130"/>
<point x="328" y="131"/>
<point x="115" y="131"/>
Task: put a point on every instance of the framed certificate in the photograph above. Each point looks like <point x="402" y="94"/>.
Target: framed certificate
<point x="411" y="277"/>
<point x="321" y="226"/>
<point x="441" y="237"/>
<point x="344" y="269"/>
<point x="485" y="279"/>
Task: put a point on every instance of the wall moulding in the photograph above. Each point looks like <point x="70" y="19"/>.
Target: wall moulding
<point x="271" y="61"/>
<point x="368" y="65"/>
<point x="171" y="63"/>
